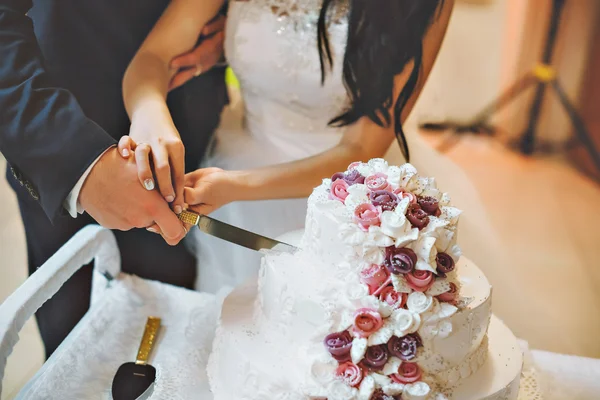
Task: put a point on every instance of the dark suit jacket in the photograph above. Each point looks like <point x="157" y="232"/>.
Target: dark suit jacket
<point x="61" y="68"/>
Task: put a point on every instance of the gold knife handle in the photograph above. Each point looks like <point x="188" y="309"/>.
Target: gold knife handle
<point x="189" y="217"/>
<point x="152" y="326"/>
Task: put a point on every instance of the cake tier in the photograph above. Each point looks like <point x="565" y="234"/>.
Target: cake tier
<point x="251" y="360"/>
<point x="296" y="294"/>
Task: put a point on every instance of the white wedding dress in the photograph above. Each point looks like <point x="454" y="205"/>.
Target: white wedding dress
<point x="283" y="116"/>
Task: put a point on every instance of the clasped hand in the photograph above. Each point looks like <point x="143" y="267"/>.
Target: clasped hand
<point x="203" y="190"/>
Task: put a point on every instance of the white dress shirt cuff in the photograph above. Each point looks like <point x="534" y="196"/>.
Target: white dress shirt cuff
<point x="72" y="201"/>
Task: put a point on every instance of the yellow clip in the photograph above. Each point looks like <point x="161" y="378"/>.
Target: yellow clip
<point x="231" y="79"/>
<point x="544" y="72"/>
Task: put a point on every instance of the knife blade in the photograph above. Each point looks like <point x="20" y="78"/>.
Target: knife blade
<point x="233" y="234"/>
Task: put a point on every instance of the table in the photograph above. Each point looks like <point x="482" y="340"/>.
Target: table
<point x="109" y="334"/>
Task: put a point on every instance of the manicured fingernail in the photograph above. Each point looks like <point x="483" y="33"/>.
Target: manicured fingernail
<point x="125" y="153"/>
<point x="149" y="184"/>
<point x="153" y="230"/>
<point x="178" y="209"/>
<point x="169" y="199"/>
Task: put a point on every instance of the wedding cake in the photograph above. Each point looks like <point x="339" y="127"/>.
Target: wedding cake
<point x="376" y="304"/>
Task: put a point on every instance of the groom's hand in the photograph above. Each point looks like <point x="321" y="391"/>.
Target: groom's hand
<point x="205" y="56"/>
<point x="113" y="196"/>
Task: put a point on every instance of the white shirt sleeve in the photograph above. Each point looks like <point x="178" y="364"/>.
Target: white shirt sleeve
<point x="71" y="203"/>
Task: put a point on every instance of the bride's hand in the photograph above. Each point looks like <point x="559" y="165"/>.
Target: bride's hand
<point x="208" y="189"/>
<point x="160" y="159"/>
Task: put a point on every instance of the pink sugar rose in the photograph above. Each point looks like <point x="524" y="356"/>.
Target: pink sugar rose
<point x="403" y="194"/>
<point x="377" y="182"/>
<point x="407" y="373"/>
<point x="350" y="373"/>
<point x="367" y="215"/>
<point x="374" y="276"/>
<point x="366" y="322"/>
<point x="450" y="296"/>
<point x="391" y="297"/>
<point x="354" y="165"/>
<point x="338" y="190"/>
<point x="420" y="281"/>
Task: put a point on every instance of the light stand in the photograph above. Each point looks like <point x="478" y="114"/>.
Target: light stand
<point x="543" y="75"/>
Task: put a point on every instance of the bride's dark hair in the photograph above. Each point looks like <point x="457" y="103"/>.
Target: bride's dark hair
<point x="384" y="36"/>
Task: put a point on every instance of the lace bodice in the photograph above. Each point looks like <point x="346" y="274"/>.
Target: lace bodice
<point x="272" y="47"/>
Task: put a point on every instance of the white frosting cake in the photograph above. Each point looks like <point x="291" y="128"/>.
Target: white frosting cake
<point x="377" y="304"/>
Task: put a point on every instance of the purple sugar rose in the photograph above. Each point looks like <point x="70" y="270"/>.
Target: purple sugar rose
<point x="417" y="216"/>
<point x="400" y="260"/>
<point x="380" y="395"/>
<point x="353" y="177"/>
<point x="386" y="200"/>
<point x="405" y="348"/>
<point x="430" y="205"/>
<point x="376" y="357"/>
<point x="339" y="345"/>
<point x="444" y="263"/>
<point x="336" y="176"/>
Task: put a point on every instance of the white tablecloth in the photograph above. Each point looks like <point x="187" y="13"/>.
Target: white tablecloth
<point x="108" y="336"/>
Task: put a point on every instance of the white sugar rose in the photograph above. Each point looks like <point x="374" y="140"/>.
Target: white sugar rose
<point x="357" y="194"/>
<point x="379" y="165"/>
<point x="364" y="169"/>
<point x="405" y="322"/>
<point x="419" y="303"/>
<point x="416" y="391"/>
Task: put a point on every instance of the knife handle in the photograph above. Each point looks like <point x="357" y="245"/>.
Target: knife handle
<point x="152" y="327"/>
<point x="189" y="217"/>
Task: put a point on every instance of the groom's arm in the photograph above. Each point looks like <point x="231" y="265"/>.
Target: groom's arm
<point x="44" y="134"/>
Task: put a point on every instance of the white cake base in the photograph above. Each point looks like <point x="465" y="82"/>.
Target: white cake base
<point x="243" y="365"/>
<point x="498" y="378"/>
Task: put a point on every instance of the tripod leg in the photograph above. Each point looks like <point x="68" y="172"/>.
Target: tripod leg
<point x="528" y="139"/>
<point x="580" y="129"/>
<point x="506" y="97"/>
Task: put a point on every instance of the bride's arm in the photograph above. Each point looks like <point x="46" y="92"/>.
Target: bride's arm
<point x="145" y="87"/>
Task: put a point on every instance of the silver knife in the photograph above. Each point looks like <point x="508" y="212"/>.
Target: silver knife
<point x="233" y="234"/>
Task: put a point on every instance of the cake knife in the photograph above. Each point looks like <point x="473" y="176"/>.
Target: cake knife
<point x="233" y="234"/>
